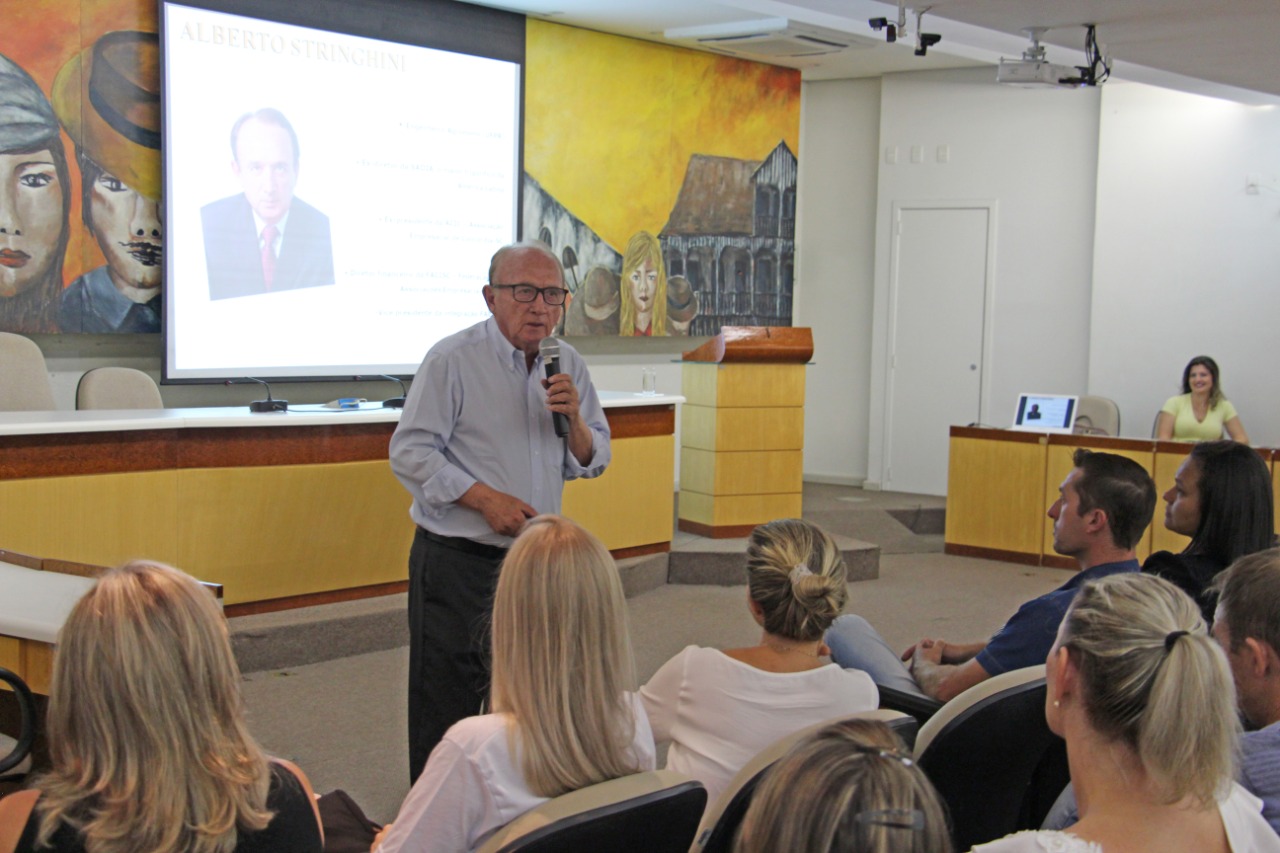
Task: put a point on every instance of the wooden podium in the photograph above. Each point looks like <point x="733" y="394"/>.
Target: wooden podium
<point x="742" y="430"/>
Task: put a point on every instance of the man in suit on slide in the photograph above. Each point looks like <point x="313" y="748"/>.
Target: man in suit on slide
<point x="265" y="239"/>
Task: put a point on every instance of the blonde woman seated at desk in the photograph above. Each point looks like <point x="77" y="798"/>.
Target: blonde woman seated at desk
<point x="562" y="717"/>
<point x="1201" y="412"/>
<point x="1144" y="698"/>
<point x="718" y="709"/>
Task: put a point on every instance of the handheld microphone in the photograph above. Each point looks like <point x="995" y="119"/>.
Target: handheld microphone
<point x="390" y="402"/>
<point x="268" y="405"/>
<point x="549" y="349"/>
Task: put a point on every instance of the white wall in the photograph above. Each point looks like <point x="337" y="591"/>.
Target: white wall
<point x="835" y="253"/>
<point x="1032" y="151"/>
<point x="1185" y="262"/>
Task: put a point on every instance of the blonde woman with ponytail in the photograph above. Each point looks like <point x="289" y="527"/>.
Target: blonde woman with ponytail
<point x="717" y="709"/>
<point x="147" y="737"/>
<point x="1144" y="698"/>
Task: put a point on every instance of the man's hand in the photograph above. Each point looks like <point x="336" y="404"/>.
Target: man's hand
<point x="946" y="652"/>
<point x="562" y="397"/>
<point x="504" y="513"/>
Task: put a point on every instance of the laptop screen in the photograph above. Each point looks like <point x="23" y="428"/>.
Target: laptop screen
<point x="1045" y="413"/>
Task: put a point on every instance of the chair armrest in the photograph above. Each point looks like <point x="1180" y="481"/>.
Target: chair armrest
<point x="920" y="707"/>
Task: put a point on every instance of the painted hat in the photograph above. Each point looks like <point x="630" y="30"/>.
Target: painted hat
<point x="26" y="119"/>
<point x="108" y="99"/>
<point x="600" y="294"/>
<point x="682" y="300"/>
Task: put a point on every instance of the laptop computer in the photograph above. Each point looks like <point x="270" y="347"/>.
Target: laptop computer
<point x="1045" y="413"/>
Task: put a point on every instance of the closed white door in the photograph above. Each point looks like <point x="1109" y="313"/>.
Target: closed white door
<point x="939" y="287"/>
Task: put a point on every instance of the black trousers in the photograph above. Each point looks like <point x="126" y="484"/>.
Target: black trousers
<point x="451" y="585"/>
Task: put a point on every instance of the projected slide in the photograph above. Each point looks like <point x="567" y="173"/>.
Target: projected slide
<point x="332" y="201"/>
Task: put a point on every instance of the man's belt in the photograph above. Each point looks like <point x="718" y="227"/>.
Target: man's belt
<point x="466" y="546"/>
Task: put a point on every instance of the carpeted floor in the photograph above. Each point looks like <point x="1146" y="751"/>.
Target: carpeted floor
<point x="343" y="720"/>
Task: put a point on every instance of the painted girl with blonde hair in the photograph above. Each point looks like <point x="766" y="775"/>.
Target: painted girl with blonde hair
<point x="644" y="288"/>
<point x="716" y="708"/>
<point x="562" y="717"/>
<point x="1144" y="698"/>
<point x="147" y="738"/>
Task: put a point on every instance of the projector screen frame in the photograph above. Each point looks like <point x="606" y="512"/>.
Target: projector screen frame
<point x="436" y="24"/>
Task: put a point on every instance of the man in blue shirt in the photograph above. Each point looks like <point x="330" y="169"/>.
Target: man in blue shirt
<point x="1249" y="632"/>
<point x="1103" y="508"/>
<point x="477" y="450"/>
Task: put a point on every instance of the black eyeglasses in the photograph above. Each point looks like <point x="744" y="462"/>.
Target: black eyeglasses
<point x="528" y="293"/>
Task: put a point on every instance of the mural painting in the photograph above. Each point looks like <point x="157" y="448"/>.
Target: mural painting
<point x="665" y="179"/>
<point x="81" y="238"/>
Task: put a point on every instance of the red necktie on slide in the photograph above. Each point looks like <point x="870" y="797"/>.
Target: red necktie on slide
<point x="269" y="254"/>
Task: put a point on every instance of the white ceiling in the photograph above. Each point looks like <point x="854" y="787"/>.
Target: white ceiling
<point x="1225" y="48"/>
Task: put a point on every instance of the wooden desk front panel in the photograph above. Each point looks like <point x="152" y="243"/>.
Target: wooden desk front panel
<point x="98" y="518"/>
<point x="1275" y="485"/>
<point x="273" y="512"/>
<point x="632" y="503"/>
<point x="30" y="659"/>
<point x="995" y="492"/>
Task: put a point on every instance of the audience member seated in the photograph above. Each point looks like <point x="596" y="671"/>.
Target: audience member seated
<point x="719" y="708"/>
<point x="1143" y="697"/>
<point x="1103" y="508"/>
<point x="1201" y="412"/>
<point x="562" y="717"/>
<point x="1221" y="498"/>
<point x="1247" y="627"/>
<point x="147" y="736"/>
<point x="849" y="788"/>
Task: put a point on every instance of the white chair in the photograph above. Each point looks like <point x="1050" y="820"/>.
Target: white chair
<point x="652" y="812"/>
<point x="117" y="388"/>
<point x="1097" y="416"/>
<point x="24" y="378"/>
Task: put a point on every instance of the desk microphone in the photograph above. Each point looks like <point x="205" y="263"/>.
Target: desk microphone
<point x="268" y="405"/>
<point x="391" y="402"/>
<point x="549" y="349"/>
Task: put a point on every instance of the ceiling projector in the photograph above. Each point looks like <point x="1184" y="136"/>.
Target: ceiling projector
<point x="1033" y="73"/>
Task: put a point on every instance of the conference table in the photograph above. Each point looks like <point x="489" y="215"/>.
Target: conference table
<point x="281" y="509"/>
<point x="1000" y="484"/>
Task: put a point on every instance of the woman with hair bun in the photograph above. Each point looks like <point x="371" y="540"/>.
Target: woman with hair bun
<point x="1144" y="698"/>
<point x="717" y="709"/>
<point x="849" y="788"/>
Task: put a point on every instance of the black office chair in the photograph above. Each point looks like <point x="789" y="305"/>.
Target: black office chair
<point x="990" y="754"/>
<point x="652" y="812"/>
<point x="722" y="820"/>
<point x="27" y="732"/>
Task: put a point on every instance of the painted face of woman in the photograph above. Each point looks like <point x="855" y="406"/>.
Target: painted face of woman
<point x="644" y="286"/>
<point x="31" y="220"/>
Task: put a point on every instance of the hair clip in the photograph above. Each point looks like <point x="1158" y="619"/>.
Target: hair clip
<point x="892" y="754"/>
<point x="1171" y="638"/>
<point x="912" y="819"/>
<point x="800" y="571"/>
